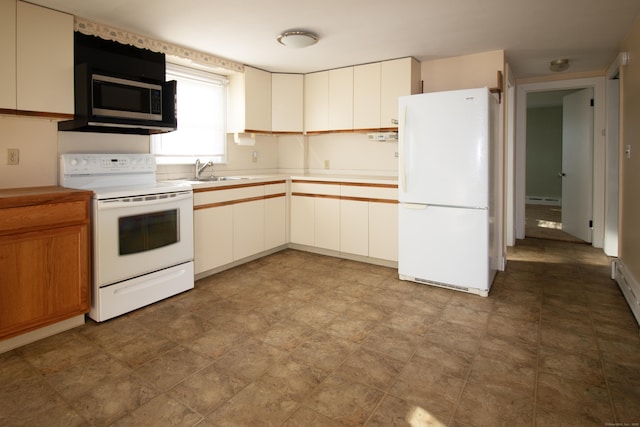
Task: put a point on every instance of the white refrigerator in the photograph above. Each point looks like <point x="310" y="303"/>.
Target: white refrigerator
<point x="448" y="180"/>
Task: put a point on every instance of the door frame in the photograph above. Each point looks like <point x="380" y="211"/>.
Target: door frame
<point x="599" y="141"/>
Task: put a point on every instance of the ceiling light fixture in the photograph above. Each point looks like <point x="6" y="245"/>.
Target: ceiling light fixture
<point x="297" y="39"/>
<point x="559" y="65"/>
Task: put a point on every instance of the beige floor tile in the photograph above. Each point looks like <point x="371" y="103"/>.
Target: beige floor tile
<point x="494" y="405"/>
<point x="576" y="399"/>
<point x="254" y="405"/>
<point x="346" y="401"/>
<point x="170" y="368"/>
<point x="399" y="413"/>
<point x="304" y="339"/>
<point x="370" y="368"/>
<point x="160" y="411"/>
<point x="206" y="390"/>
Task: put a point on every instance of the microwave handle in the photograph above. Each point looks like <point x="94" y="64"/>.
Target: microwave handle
<point x="170" y="103"/>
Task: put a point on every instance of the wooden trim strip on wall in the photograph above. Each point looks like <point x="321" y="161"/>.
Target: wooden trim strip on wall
<point x="238" y="201"/>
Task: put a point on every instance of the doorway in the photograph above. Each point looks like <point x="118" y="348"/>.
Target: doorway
<point x="520" y="168"/>
<point x="559" y="165"/>
<point x="544" y="166"/>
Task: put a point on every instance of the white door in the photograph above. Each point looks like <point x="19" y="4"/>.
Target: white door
<point x="444" y="148"/>
<point x="577" y="164"/>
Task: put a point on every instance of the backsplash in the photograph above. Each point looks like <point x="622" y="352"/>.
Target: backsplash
<point x="41" y="144"/>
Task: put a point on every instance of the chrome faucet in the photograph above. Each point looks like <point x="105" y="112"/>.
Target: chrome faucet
<point x="201" y="167"/>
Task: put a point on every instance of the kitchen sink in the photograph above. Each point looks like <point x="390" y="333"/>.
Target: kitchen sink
<point x="215" y="179"/>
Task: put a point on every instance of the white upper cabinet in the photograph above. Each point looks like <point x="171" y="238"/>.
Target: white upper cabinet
<point x="249" y="103"/>
<point x="287" y="98"/>
<point x="341" y="98"/>
<point x="36" y="71"/>
<point x="8" y="54"/>
<point x="316" y="101"/>
<point x="376" y="90"/>
<point x="398" y="77"/>
<point x="366" y="96"/>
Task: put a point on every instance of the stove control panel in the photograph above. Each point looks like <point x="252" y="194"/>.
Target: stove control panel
<point x="98" y="164"/>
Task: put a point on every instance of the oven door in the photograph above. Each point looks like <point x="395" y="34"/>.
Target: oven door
<point x="141" y="234"/>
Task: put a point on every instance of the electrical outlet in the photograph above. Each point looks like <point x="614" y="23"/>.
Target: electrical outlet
<point x="254" y="157"/>
<point x="327" y="164"/>
<point x="13" y="156"/>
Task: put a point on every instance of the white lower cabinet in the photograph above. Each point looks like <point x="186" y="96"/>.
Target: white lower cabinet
<point x="213" y="238"/>
<point x="355" y="218"/>
<point x="235" y="222"/>
<point x="275" y="222"/>
<point x="303" y="220"/>
<point x="327" y="223"/>
<point x="383" y="230"/>
<point x="248" y="229"/>
<point x="354" y="227"/>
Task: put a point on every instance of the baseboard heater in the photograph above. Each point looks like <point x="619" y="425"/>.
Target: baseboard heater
<point x="541" y="200"/>
<point x="629" y="286"/>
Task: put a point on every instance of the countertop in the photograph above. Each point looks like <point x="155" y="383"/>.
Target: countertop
<point x="244" y="179"/>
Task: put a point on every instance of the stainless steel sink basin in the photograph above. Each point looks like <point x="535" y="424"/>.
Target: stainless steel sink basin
<point x="215" y="179"/>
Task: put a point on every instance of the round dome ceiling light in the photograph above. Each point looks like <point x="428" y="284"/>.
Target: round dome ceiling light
<point x="559" y="65"/>
<point x="297" y="39"/>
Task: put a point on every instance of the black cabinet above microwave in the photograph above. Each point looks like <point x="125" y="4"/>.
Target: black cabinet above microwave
<point x="120" y="89"/>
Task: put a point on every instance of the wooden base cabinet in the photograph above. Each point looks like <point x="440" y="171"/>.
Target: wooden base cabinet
<point x="44" y="257"/>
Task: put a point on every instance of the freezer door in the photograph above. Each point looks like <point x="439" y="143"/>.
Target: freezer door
<point x="446" y="246"/>
<point x="444" y="148"/>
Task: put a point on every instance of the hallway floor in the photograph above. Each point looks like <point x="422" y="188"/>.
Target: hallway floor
<point x="298" y="339"/>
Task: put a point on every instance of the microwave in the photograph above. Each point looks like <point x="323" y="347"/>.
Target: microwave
<point x="117" y="103"/>
<point x="122" y="98"/>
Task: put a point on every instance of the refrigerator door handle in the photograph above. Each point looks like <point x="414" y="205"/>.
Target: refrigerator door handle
<point x="401" y="132"/>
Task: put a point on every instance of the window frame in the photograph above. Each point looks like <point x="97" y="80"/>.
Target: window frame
<point x="174" y="70"/>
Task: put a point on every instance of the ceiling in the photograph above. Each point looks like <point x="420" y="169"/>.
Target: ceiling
<point x="531" y="32"/>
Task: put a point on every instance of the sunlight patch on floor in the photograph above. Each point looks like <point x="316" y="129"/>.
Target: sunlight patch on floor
<point x="549" y="224"/>
<point x="419" y="417"/>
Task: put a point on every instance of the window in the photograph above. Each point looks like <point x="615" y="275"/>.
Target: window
<point x="201" y="108"/>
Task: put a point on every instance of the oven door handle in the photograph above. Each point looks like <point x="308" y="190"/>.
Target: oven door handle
<point x="137" y="201"/>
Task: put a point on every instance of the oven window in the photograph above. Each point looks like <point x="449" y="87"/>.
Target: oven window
<point x="141" y="233"/>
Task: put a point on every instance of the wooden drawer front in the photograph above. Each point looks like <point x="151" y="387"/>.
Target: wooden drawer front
<point x="28" y="217"/>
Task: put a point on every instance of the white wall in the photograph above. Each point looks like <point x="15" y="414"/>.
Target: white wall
<point x="36" y="138"/>
<point x="351" y="153"/>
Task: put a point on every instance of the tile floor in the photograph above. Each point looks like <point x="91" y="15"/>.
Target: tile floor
<point x="297" y="339"/>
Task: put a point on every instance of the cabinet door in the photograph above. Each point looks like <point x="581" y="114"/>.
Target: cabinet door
<point x="39" y="286"/>
<point x="303" y="216"/>
<point x="44" y="60"/>
<point x="275" y="222"/>
<point x="257" y="99"/>
<point x="354" y="227"/>
<point x="366" y="96"/>
<point x="383" y="231"/>
<point x="327" y="223"/>
<point x="213" y="237"/>
<point x="248" y="229"/>
<point x="8" y="54"/>
<point x="341" y="98"/>
<point x="399" y="77"/>
<point x="316" y="101"/>
<point x="287" y="102"/>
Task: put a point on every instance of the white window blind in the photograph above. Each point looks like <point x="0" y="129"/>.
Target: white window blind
<point x="201" y="109"/>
